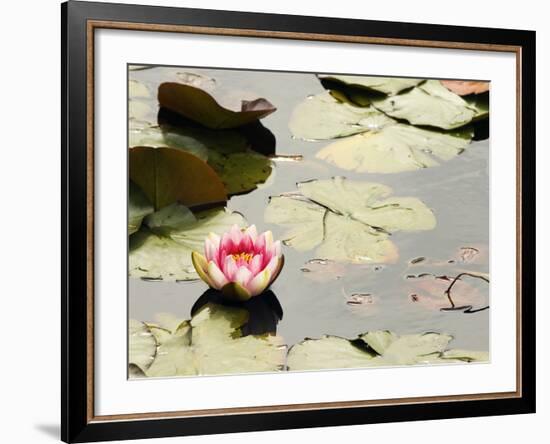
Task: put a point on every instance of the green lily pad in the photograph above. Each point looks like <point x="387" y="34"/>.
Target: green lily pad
<point x="212" y="343"/>
<point x="386" y="85"/>
<point x="168" y="175"/>
<point x="345" y="220"/>
<point x="142" y="345"/>
<point x="324" y="117"/>
<point x="206" y="103"/>
<point x="396" y="148"/>
<point x="377" y="348"/>
<point x="138" y="207"/>
<point x="429" y="104"/>
<point x="239" y="168"/>
<point x="164" y="252"/>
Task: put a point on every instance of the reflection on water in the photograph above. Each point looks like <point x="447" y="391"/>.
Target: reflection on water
<point x="343" y="299"/>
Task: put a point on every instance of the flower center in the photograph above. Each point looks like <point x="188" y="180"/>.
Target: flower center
<point x="247" y="257"/>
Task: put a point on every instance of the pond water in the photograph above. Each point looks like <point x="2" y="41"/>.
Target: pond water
<point x="346" y="300"/>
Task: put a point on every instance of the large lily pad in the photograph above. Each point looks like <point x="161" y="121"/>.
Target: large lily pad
<point x="324" y="117"/>
<point x="385" y="85"/>
<point x="202" y="101"/>
<point x="346" y="220"/>
<point x="239" y="168"/>
<point x="138" y="207"/>
<point x="428" y="104"/>
<point x="212" y="343"/>
<point x="163" y="251"/>
<point x="396" y="148"/>
<point x="168" y="175"/>
<point x="377" y="348"/>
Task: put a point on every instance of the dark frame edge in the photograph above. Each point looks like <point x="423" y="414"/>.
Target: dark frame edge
<point x="75" y="423"/>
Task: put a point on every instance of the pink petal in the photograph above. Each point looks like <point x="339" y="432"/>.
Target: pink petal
<point x="230" y="268"/>
<point x="277" y="248"/>
<point x="236" y="235"/>
<point x="243" y="276"/>
<point x="226" y="243"/>
<point x="256" y="263"/>
<point x="216" y="276"/>
<point x="215" y="239"/>
<point x="259" y="283"/>
<point x="210" y="250"/>
<point x="252" y="233"/>
<point x="259" y="245"/>
<point x="272" y="265"/>
<point x="277" y="270"/>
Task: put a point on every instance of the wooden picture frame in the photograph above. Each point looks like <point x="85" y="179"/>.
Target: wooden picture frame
<point x="79" y="22"/>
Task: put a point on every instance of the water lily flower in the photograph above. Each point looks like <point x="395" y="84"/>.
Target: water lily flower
<point x="240" y="263"/>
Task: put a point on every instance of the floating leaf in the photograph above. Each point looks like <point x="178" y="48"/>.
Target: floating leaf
<point x="395" y="148"/>
<point x="168" y="175"/>
<point x="166" y="253"/>
<point x="138" y="207"/>
<point x="136" y="89"/>
<point x="464" y="87"/>
<point x="227" y="151"/>
<point x="212" y="343"/>
<point x="200" y="106"/>
<point x="377" y="348"/>
<point x="428" y="104"/>
<point x="347" y="220"/>
<point x="323" y="117"/>
<point x="385" y="85"/>
<point x="142" y="345"/>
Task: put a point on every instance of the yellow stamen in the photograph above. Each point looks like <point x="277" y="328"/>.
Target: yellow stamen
<point x="244" y="256"/>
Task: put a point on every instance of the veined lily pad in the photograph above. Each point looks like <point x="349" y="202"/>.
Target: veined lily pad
<point x="201" y="102"/>
<point x="164" y="251"/>
<point x="396" y="148"/>
<point x="346" y="220"/>
<point x="212" y="343"/>
<point x="377" y="348"/>
<point x="323" y="117"/>
<point x="138" y="207"/>
<point x="464" y="88"/>
<point x="428" y="104"/>
<point x="385" y="85"/>
<point x="168" y="175"/>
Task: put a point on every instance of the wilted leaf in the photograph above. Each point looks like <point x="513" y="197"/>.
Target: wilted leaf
<point x="395" y="148"/>
<point x="428" y="104"/>
<point x="385" y="85"/>
<point x="168" y="175"/>
<point x="166" y="253"/>
<point x="347" y="220"/>
<point x="192" y="100"/>
<point x="464" y="87"/>
<point x="138" y="207"/>
<point x="323" y="117"/>
<point x="212" y="343"/>
<point x="377" y="348"/>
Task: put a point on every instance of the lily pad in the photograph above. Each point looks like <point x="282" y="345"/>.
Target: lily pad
<point x="396" y="148"/>
<point x="212" y="343"/>
<point x="345" y="220"/>
<point x="239" y="168"/>
<point x="200" y="101"/>
<point x="322" y="117"/>
<point x="142" y="345"/>
<point x="168" y="175"/>
<point x="164" y="252"/>
<point x="428" y="104"/>
<point x="386" y="85"/>
<point x="138" y="207"/>
<point x="377" y="348"/>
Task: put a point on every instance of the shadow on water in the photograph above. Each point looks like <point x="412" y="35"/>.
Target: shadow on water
<point x="264" y="310"/>
<point x="258" y="137"/>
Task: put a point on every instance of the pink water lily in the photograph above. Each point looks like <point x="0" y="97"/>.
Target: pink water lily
<point x="240" y="263"/>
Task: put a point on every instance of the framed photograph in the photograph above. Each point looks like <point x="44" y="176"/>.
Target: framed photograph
<point x="275" y="221"/>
